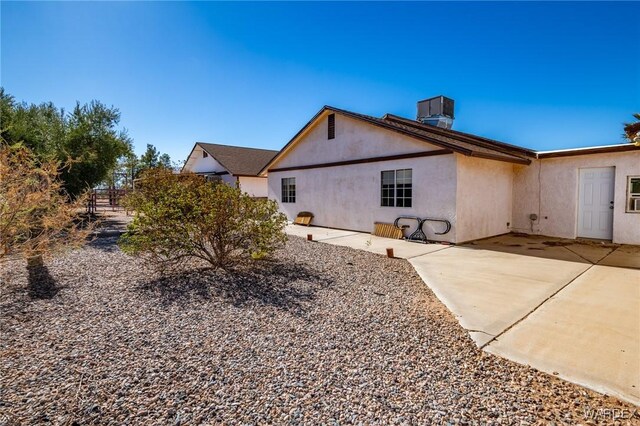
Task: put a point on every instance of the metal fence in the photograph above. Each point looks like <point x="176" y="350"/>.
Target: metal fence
<point x="106" y="199"/>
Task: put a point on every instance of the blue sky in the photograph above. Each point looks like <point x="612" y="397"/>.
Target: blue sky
<point x="542" y="75"/>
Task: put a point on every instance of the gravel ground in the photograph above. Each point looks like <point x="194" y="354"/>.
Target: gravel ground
<point x="321" y="335"/>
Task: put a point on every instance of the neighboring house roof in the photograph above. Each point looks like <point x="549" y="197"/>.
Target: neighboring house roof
<point x="462" y="143"/>
<point x="239" y="161"/>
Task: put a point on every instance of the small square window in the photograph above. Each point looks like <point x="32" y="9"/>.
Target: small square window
<point x="204" y="154"/>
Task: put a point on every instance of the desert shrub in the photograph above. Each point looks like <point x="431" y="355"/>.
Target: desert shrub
<point x="37" y="218"/>
<point x="179" y="217"/>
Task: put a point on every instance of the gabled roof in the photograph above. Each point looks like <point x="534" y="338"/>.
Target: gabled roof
<point x="239" y="161"/>
<point x="461" y="137"/>
<point x="462" y="143"/>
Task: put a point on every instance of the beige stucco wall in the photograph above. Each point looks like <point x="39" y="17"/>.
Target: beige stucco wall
<point x="483" y="197"/>
<point x="549" y="188"/>
<point x="480" y="197"/>
<point x="348" y="197"/>
<point x="353" y="140"/>
<point x="254" y="186"/>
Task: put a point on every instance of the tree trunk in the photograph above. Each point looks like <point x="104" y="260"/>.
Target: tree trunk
<point x="34" y="262"/>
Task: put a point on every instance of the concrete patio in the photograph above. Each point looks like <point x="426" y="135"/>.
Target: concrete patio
<point x="569" y="308"/>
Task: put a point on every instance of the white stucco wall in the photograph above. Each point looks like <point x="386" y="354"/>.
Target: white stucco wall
<point x="483" y="197"/>
<point x="197" y="164"/>
<point x="549" y="188"/>
<point x="254" y="186"/>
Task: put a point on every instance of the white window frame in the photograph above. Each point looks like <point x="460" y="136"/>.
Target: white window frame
<point x="632" y="199"/>
<point x="288" y="189"/>
<point x="398" y="197"/>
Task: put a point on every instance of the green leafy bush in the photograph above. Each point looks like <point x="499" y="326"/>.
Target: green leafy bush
<point x="86" y="139"/>
<point x="182" y="217"/>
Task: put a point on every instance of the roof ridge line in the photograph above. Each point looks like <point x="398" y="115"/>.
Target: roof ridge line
<point x="236" y="146"/>
<point x="477" y="140"/>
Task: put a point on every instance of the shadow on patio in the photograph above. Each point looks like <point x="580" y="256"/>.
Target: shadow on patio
<point x="591" y="252"/>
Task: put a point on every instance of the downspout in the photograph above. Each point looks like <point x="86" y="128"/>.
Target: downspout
<point x="533" y="217"/>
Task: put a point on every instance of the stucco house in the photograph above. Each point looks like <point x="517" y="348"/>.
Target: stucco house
<point x="351" y="170"/>
<point x="233" y="165"/>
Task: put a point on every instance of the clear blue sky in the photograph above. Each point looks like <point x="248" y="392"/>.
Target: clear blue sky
<point x="542" y="75"/>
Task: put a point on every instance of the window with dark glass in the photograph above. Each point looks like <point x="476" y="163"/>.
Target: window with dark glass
<point x="633" y="194"/>
<point x="204" y="154"/>
<point x="331" y="126"/>
<point x="403" y="188"/>
<point x="388" y="188"/>
<point x="396" y="188"/>
<point x="289" y="190"/>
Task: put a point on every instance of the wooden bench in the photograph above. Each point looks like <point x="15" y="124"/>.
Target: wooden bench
<point x="303" y="218"/>
<point x="387" y="230"/>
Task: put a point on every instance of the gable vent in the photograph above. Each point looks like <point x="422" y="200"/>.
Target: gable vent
<point x="331" y="126"/>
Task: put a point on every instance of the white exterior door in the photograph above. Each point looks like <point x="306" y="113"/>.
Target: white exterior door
<point x="595" y="203"/>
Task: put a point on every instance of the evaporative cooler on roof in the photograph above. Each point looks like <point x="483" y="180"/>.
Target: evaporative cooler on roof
<point x="437" y="111"/>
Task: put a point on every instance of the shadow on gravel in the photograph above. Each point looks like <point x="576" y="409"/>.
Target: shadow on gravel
<point x="41" y="285"/>
<point x="105" y="242"/>
<point x="282" y="285"/>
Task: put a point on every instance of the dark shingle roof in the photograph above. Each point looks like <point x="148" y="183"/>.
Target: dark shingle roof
<point x="463" y="143"/>
<point x="239" y="161"/>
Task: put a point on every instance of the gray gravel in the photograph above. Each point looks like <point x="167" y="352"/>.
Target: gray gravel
<point x="321" y="335"/>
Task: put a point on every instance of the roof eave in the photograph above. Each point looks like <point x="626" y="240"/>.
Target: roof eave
<point x="383" y="125"/>
<point x="276" y="157"/>
<point x="588" y="151"/>
<point x="466" y="137"/>
<point x="515" y="160"/>
<point x="189" y="156"/>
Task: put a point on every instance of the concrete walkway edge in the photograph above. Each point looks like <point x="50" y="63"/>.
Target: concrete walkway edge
<point x="507" y="300"/>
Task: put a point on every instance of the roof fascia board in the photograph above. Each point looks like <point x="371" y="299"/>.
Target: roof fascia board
<point x="311" y="123"/>
<point x="406" y="133"/>
<point x="472" y="139"/>
<point x="365" y="160"/>
<point x="188" y="157"/>
<point x="515" y="160"/>
<point x="588" y="151"/>
<point x="294" y="139"/>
